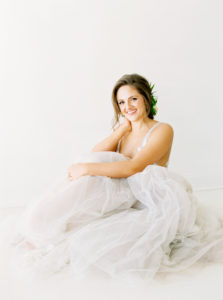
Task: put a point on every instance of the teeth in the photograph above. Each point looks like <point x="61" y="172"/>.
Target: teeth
<point x="130" y="112"/>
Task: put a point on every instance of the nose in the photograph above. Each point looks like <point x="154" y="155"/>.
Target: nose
<point x="127" y="105"/>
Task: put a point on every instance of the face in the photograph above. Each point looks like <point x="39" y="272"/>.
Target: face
<point x="131" y="103"/>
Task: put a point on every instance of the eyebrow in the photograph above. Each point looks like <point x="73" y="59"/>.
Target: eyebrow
<point x="129" y="97"/>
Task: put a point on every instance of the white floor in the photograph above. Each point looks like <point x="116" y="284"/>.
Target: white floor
<point x="194" y="283"/>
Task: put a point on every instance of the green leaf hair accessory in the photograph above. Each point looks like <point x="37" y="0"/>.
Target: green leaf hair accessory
<point x="153" y="107"/>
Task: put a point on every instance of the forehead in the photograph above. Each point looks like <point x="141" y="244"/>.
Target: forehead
<point x="126" y="91"/>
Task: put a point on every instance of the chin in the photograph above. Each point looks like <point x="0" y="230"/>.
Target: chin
<point x="133" y="118"/>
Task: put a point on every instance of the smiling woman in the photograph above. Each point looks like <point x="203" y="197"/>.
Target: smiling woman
<point x="133" y="105"/>
<point x="132" y="98"/>
<point x="120" y="210"/>
<point x="131" y="86"/>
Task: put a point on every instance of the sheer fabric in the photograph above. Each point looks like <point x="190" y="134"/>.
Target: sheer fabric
<point x="128" y="228"/>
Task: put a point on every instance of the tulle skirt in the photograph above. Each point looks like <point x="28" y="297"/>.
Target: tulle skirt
<point x="128" y="228"/>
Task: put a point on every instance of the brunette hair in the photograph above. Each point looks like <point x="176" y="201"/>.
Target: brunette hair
<point x="143" y="87"/>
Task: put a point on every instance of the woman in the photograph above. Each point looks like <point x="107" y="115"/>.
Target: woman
<point x="120" y="210"/>
<point x="132" y="97"/>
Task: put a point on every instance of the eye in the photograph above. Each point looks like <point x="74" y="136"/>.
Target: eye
<point x="121" y="102"/>
<point x="134" y="98"/>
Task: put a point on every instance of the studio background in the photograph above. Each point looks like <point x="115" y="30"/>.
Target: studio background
<point x="59" y="63"/>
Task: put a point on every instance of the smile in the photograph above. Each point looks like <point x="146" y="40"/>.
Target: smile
<point x="131" y="112"/>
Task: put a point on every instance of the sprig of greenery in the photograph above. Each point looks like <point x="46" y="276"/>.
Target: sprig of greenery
<point x="154" y="100"/>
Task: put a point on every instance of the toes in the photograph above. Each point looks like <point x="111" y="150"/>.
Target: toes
<point x="30" y="246"/>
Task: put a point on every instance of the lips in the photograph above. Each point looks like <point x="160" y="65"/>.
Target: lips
<point x="131" y="112"/>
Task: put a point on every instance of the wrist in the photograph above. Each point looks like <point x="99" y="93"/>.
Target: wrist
<point x="84" y="169"/>
<point x="121" y="131"/>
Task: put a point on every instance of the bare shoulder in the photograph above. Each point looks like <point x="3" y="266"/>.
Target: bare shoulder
<point x="164" y="130"/>
<point x="157" y="148"/>
<point x="166" y="127"/>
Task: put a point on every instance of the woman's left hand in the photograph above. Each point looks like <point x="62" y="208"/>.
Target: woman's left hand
<point x="76" y="170"/>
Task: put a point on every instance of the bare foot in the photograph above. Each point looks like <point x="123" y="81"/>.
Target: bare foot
<point x="30" y="246"/>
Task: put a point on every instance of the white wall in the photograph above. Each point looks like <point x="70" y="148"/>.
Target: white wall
<point x="59" y="62"/>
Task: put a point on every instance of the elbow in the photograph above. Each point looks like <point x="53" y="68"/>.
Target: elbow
<point x="132" y="168"/>
<point x="136" y="167"/>
<point x="95" y="149"/>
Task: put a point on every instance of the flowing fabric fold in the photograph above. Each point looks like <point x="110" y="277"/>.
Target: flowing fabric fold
<point x="128" y="228"/>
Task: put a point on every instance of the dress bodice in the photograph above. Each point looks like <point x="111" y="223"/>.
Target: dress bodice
<point x="144" y="141"/>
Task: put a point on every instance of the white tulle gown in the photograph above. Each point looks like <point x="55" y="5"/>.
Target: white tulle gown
<point x="129" y="228"/>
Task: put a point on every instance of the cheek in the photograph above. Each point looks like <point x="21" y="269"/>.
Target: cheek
<point x="142" y="105"/>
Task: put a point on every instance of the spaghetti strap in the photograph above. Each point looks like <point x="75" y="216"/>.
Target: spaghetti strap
<point x="147" y="135"/>
<point x="144" y="139"/>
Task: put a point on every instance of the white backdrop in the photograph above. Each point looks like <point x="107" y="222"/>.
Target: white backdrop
<point x="60" y="60"/>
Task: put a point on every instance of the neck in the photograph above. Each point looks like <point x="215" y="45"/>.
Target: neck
<point x="139" y="125"/>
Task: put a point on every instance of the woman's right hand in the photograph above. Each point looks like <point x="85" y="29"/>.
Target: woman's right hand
<point x="126" y="125"/>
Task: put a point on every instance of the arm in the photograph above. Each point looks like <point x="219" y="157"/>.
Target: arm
<point x="116" y="169"/>
<point x="158" y="144"/>
<point x="113" y="169"/>
<point x="110" y="169"/>
<point x="110" y="143"/>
